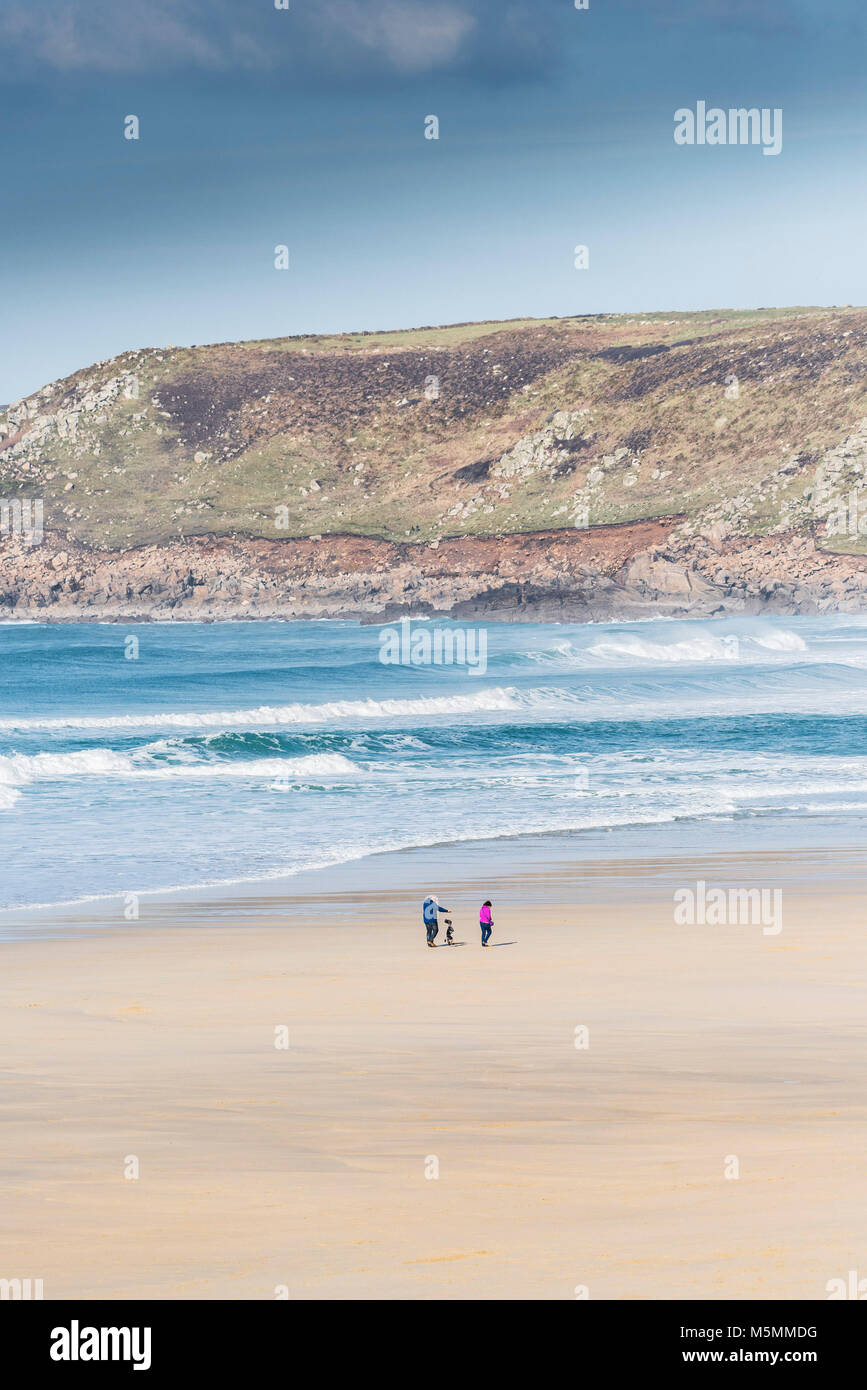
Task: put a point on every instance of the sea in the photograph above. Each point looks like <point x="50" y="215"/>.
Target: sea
<point x="144" y="758"/>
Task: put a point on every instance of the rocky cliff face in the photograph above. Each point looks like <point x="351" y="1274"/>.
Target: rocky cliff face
<point x="566" y="469"/>
<point x="637" y="570"/>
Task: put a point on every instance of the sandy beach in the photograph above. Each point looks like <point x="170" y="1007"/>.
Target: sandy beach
<point x="308" y="1169"/>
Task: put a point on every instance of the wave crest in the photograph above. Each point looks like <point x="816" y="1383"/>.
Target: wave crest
<point x="333" y="712"/>
<point x="20" y="769"/>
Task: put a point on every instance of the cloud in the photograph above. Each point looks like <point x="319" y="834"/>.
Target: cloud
<point x="412" y="37"/>
<point x="487" y="41"/>
<point x="310" y="37"/>
<point x="100" y="36"/>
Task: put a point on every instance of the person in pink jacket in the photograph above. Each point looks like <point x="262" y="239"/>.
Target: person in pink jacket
<point x="486" y="922"/>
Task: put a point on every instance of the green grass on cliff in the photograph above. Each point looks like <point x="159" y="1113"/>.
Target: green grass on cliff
<point x="466" y="429"/>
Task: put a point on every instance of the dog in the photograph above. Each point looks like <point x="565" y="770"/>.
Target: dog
<point x="450" y="931"/>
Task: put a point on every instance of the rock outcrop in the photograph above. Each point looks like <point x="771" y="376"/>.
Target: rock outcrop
<point x="636" y="570"/>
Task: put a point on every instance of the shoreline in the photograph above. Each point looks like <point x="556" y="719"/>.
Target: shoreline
<point x="594" y="858"/>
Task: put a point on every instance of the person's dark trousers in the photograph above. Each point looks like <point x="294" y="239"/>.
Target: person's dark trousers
<point x="486" y="933"/>
<point x="432" y="930"/>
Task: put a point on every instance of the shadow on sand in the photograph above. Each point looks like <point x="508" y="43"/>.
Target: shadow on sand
<point x="445" y="946"/>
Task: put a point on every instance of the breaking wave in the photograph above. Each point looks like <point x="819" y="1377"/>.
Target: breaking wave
<point x="335" y="711"/>
<point x="18" y="770"/>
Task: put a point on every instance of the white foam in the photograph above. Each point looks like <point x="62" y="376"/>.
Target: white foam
<point x="698" y="648"/>
<point x="20" y="769"/>
<point x="780" y="642"/>
<point x="692" y="650"/>
<point x="267" y="715"/>
<point x="17" y="769"/>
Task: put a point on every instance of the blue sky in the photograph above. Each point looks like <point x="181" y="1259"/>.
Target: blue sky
<point x="305" y="127"/>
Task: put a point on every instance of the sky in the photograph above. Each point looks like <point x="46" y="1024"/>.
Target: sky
<point x="305" y="127"/>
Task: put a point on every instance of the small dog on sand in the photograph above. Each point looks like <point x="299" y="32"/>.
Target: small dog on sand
<point x="450" y="931"/>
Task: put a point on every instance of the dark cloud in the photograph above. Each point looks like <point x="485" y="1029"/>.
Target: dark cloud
<point x="402" y="37"/>
<point x="485" y="41"/>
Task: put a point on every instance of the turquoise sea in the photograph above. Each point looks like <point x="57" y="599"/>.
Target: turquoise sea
<point x="163" y="756"/>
